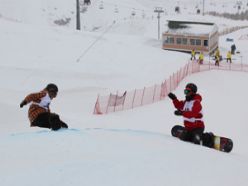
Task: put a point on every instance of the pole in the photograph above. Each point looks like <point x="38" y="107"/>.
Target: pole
<point x="78" y="27"/>
<point x="241" y="63"/>
<point x="158" y="10"/>
<point x="203" y="7"/>
<point x="158" y="26"/>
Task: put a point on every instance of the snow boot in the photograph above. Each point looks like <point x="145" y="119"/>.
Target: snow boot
<point x="55" y="122"/>
<point x="208" y="139"/>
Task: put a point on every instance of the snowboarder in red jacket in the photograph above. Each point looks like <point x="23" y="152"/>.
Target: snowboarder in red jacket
<point x="191" y="111"/>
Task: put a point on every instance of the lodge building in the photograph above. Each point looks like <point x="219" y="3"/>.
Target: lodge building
<point x="187" y="35"/>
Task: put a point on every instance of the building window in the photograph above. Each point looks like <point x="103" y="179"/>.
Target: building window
<point x="205" y="43"/>
<point x="185" y="41"/>
<point x="198" y="42"/>
<point x="169" y="40"/>
<point x="179" y="41"/>
<point x="192" y="42"/>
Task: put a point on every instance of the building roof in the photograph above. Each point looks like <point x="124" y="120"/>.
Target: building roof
<point x="191" y="28"/>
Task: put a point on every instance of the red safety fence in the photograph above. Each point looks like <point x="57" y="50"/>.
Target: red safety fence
<point x="147" y="95"/>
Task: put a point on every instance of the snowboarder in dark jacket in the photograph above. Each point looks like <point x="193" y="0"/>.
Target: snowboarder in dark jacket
<point x="191" y="111"/>
<point x="39" y="112"/>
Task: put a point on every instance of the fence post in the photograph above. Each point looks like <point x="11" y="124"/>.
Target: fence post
<point x="161" y="90"/>
<point x="192" y="69"/>
<point x="187" y="67"/>
<point x="177" y="78"/>
<point x="166" y="89"/>
<point x="115" y="99"/>
<point x="154" y="92"/>
<point x="133" y="97"/>
<point x="124" y="102"/>
<point x="108" y="103"/>
<point x="181" y="74"/>
<point x="173" y="78"/>
<point x="175" y="81"/>
<point x="143" y="96"/>
<point x="96" y="105"/>
<point x="184" y="71"/>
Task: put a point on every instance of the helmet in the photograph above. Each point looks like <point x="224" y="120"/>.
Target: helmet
<point x="52" y="87"/>
<point x="192" y="87"/>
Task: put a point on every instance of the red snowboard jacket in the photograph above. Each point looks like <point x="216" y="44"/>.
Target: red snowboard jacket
<point x="191" y="112"/>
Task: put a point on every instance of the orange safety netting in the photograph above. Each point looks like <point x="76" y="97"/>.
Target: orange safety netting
<point x="147" y="95"/>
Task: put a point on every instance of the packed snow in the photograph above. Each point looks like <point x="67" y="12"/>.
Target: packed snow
<point x="115" y="50"/>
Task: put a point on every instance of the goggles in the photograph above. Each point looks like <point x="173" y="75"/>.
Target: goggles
<point x="53" y="92"/>
<point x="187" y="91"/>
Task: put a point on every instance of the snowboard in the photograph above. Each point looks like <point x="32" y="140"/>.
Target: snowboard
<point x="208" y="139"/>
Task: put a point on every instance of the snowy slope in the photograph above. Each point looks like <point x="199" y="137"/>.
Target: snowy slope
<point x="93" y="17"/>
<point x="132" y="147"/>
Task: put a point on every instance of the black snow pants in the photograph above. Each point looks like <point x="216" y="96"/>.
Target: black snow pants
<point x="194" y="135"/>
<point x="49" y="120"/>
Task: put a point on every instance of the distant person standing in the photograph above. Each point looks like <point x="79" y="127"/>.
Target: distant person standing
<point x="201" y="58"/>
<point x="39" y="112"/>
<point x="217" y="60"/>
<point x="193" y="55"/>
<point x="229" y="57"/>
<point x="233" y="49"/>
<point x="217" y="53"/>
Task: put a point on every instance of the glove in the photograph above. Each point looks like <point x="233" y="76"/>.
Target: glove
<point x="23" y="103"/>
<point x="178" y="112"/>
<point x="172" y="96"/>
